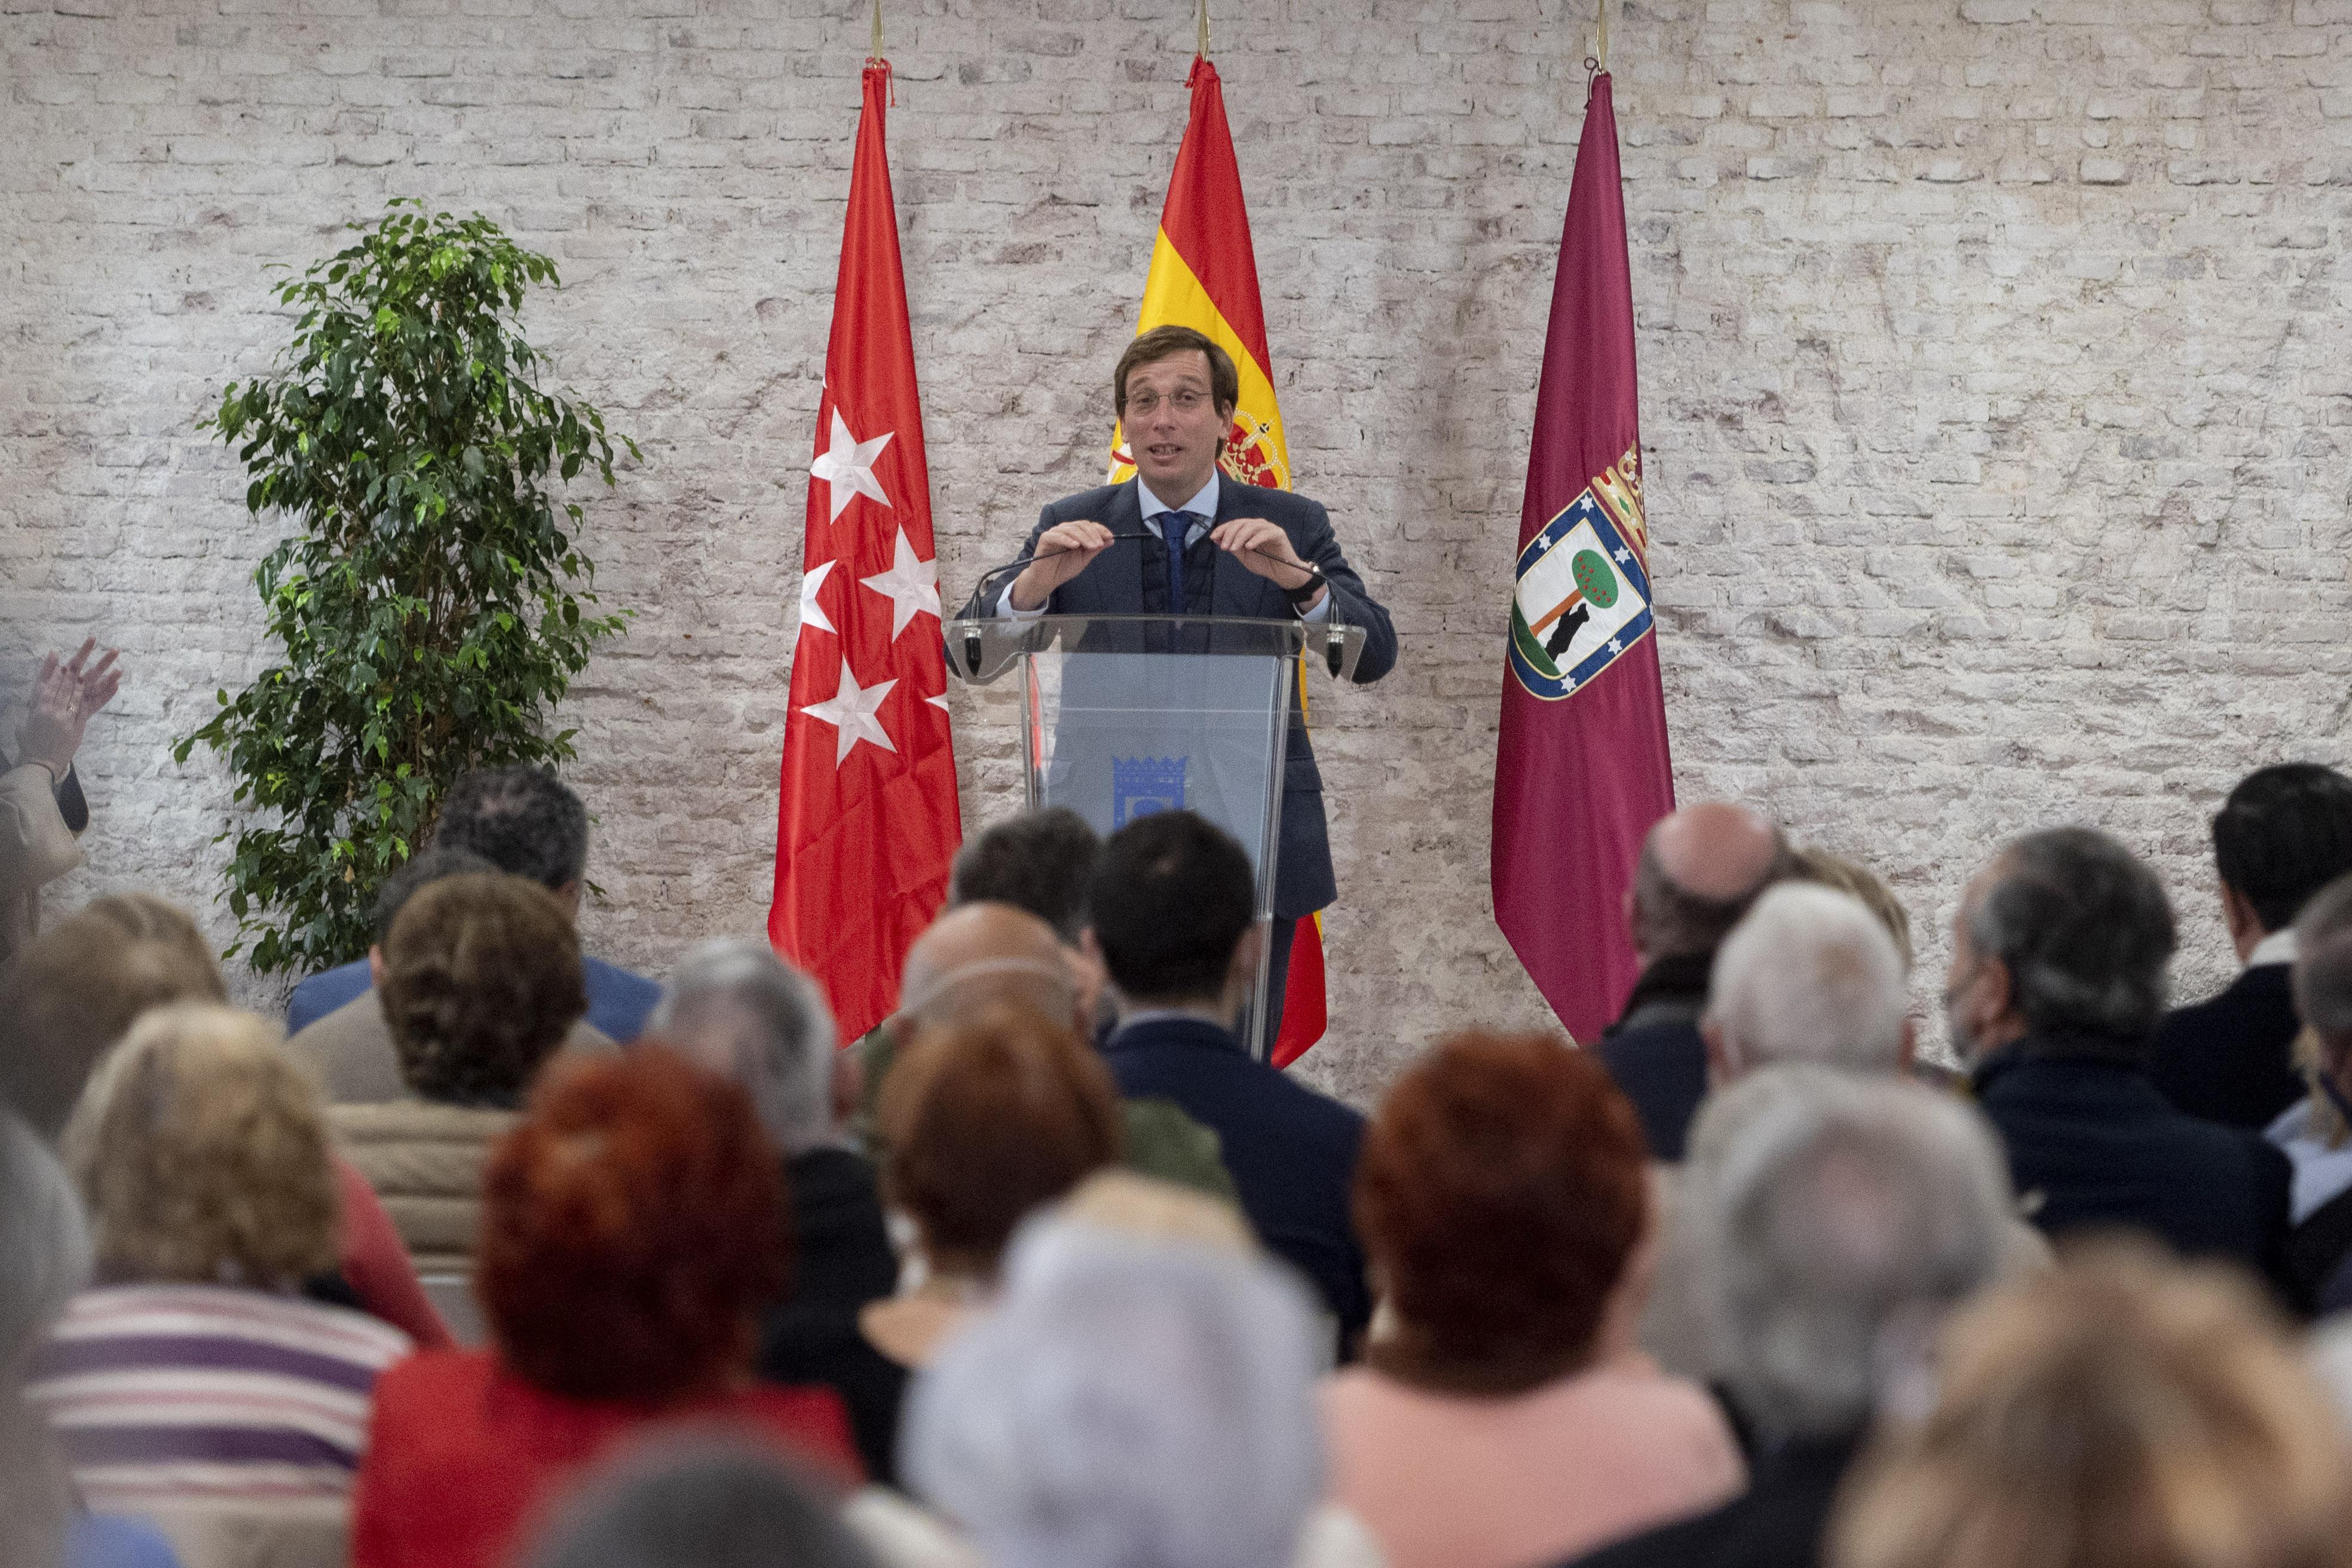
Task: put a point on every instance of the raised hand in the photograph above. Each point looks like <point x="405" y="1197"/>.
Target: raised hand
<point x="1263" y="548"/>
<point x="1063" y="552"/>
<point x="65" y="692"/>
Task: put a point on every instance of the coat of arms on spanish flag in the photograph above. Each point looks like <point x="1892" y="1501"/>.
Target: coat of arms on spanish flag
<point x="1204" y="276"/>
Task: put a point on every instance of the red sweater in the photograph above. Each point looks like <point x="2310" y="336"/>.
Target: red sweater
<point x="464" y="1458"/>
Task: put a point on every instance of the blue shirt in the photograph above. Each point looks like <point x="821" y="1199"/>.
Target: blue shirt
<point x="618" y="1001"/>
<point x="113" y="1540"/>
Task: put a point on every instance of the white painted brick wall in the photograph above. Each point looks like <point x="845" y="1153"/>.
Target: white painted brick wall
<point x="1994" y="352"/>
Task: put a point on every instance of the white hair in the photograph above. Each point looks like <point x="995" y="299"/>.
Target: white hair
<point x="1836" y="1217"/>
<point x="1809" y="975"/>
<point x="1143" y="1403"/>
<point x="737" y="1007"/>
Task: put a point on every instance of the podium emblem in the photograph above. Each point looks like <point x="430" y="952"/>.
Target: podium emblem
<point x="1139" y="786"/>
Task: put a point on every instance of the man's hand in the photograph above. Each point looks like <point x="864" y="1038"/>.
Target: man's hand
<point x="65" y="694"/>
<point x="1063" y="552"/>
<point x="1266" y="549"/>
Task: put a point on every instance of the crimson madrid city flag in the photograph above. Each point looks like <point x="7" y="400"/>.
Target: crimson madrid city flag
<point x="1580" y="762"/>
<point x="866" y="819"/>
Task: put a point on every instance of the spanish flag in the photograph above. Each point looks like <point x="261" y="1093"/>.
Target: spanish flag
<point x="1204" y="276"/>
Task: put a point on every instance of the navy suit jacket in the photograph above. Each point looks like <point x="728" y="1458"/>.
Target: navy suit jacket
<point x="2089" y="1136"/>
<point x="1291" y="1151"/>
<point x="2230" y="1059"/>
<point x="618" y="1001"/>
<point x="1130" y="578"/>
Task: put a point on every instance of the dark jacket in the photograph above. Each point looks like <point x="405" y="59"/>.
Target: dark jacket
<point x="2229" y="1059"/>
<point x="1775" y="1523"/>
<point x="841" y="1260"/>
<point x="2092" y="1145"/>
<point x="1292" y="1152"/>
<point x="1130" y="578"/>
<point x="1654" y="1051"/>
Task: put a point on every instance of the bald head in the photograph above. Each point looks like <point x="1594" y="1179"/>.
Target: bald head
<point x="1701" y="867"/>
<point x="977" y="954"/>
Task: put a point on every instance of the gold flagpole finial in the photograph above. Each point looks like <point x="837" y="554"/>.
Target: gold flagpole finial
<point x="1201" y="17"/>
<point x="877" y="29"/>
<point x="1601" y="51"/>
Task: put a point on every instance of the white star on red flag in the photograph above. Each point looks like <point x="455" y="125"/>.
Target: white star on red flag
<point x="853" y="711"/>
<point x="912" y="586"/>
<point x="847" y="470"/>
<point x="812" y="612"/>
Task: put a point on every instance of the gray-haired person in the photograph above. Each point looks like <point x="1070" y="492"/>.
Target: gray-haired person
<point x="1841" y="1217"/>
<point x="1809" y="975"/>
<point x="738" y="1009"/>
<point x="699" y="1503"/>
<point x="1143" y="1403"/>
<point x="2058" y="976"/>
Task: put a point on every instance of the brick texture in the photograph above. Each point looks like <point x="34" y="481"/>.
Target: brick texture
<point x="1994" y="355"/>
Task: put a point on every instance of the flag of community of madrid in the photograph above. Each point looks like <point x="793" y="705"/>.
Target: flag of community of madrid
<point x="866" y="816"/>
<point x="1582" y="768"/>
<point x="1204" y="276"/>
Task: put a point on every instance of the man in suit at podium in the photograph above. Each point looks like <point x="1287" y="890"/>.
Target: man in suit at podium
<point x="1238" y="551"/>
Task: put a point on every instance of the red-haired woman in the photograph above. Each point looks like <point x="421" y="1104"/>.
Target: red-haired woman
<point x="1505" y="1415"/>
<point x="632" y="1228"/>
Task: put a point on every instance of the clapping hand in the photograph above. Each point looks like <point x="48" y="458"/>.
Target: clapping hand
<point x="65" y="692"/>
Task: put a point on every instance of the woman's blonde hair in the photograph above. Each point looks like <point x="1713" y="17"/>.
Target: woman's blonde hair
<point x="202" y="1151"/>
<point x="2119" y="1412"/>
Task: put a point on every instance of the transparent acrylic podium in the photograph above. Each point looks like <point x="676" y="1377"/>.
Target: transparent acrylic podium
<point x="1127" y="715"/>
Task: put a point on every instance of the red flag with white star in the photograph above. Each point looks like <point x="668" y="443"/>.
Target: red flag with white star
<point x="866" y="816"/>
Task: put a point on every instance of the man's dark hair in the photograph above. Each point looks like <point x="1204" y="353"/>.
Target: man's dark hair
<point x="1171" y="898"/>
<point x="2085" y="931"/>
<point x="2283" y="834"/>
<point x="1166" y="343"/>
<point x="1671" y="920"/>
<point x="1040" y="861"/>
<point x="428" y="864"/>
<point x="698" y="1502"/>
<point x="521" y="819"/>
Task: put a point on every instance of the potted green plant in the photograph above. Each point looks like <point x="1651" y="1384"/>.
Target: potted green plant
<point x="434" y="602"/>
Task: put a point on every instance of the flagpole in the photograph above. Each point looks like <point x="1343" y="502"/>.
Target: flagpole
<point x="876" y="52"/>
<point x="1601" y="51"/>
<point x="1201" y="20"/>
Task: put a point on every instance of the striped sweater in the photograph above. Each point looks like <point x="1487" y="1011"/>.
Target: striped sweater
<point x="172" y="1394"/>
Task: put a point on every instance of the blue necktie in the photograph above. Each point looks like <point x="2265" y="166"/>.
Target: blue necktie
<point x="1176" y="530"/>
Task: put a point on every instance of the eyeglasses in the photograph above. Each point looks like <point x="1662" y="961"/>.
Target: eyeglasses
<point x="1184" y="400"/>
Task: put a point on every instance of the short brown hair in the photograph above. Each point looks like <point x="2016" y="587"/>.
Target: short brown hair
<point x="482" y="983"/>
<point x="632" y="1224"/>
<point x="1166" y="343"/>
<point x="77" y="989"/>
<point x="984" y="1120"/>
<point x="202" y="1150"/>
<point x="1502" y="1187"/>
<point x="2119" y="1412"/>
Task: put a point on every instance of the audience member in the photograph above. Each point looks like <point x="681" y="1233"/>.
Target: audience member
<point x="73" y="995"/>
<point x="633" y="1226"/>
<point x="2283" y="834"/>
<point x="1811" y="863"/>
<point x="1700" y="868"/>
<point x="1141" y="1402"/>
<point x="1809" y="975"/>
<point x="76" y="993"/>
<point x="1172" y="901"/>
<point x="44" y="1259"/>
<point x="481" y="986"/>
<point x="350" y="1049"/>
<point x="527" y="823"/>
<point x="1042" y="861"/>
<point x="42" y="808"/>
<point x="2057" y="975"/>
<point x="706" y="1503"/>
<point x="979" y="954"/>
<point x="1505" y="1414"/>
<point x="982" y="1122"/>
<point x="2115" y="1413"/>
<point x="736" y="1009"/>
<point x="1844" y="1217"/>
<point x="195" y="1375"/>
<point x="2316" y="1133"/>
